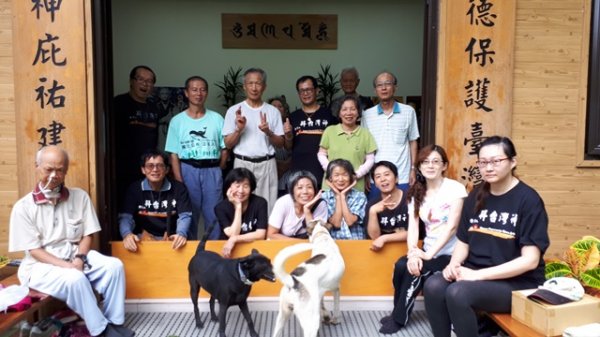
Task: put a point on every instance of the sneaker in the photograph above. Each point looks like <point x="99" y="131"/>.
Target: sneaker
<point x="386" y="319"/>
<point x="47" y="327"/>
<point x="390" y="327"/>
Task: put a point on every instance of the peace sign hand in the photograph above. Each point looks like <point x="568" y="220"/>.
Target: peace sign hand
<point x="264" y="125"/>
<point x="240" y="121"/>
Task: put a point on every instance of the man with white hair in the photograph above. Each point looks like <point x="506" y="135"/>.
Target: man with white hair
<point x="253" y="129"/>
<point x="54" y="225"/>
<point x="350" y="80"/>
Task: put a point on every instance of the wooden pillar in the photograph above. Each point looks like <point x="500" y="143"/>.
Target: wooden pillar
<point x="475" y="67"/>
<point x="53" y="87"/>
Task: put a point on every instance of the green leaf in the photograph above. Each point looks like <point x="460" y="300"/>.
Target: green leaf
<point x="582" y="246"/>
<point x="557" y="269"/>
<point x="591" y="278"/>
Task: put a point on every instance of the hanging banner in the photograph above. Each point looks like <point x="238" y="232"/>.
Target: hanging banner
<point x="476" y="80"/>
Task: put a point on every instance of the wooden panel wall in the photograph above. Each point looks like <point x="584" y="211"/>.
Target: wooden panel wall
<point x="551" y="47"/>
<point x="549" y="67"/>
<point x="8" y="143"/>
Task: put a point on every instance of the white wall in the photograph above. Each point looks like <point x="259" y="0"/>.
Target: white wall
<point x="183" y="38"/>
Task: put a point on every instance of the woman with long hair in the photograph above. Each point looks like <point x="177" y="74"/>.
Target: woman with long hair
<point x="502" y="236"/>
<point x="436" y="201"/>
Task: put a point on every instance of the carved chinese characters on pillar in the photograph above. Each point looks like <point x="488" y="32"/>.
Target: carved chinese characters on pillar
<point x="50" y="93"/>
<point x="478" y="79"/>
<point x="51" y="84"/>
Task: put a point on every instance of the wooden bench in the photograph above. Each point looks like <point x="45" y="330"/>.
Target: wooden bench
<point x="513" y="327"/>
<point x="42" y="308"/>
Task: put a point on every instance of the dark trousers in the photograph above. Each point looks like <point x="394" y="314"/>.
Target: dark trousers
<point x="457" y="303"/>
<point x="407" y="286"/>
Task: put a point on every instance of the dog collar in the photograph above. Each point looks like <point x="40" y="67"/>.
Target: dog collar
<point x="243" y="277"/>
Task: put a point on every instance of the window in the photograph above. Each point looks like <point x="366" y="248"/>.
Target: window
<point x="592" y="137"/>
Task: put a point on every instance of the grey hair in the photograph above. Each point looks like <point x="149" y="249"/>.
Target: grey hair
<point x="349" y="70"/>
<point x="40" y="153"/>
<point x="262" y="73"/>
<point x="384" y="72"/>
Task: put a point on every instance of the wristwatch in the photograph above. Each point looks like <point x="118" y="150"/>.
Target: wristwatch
<point x="83" y="259"/>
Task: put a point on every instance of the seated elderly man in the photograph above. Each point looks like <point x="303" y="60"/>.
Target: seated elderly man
<point x="154" y="205"/>
<point x="54" y="226"/>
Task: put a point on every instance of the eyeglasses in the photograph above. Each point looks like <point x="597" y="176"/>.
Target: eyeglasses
<point x="384" y="84"/>
<point x="494" y="162"/>
<point x="434" y="162"/>
<point x="144" y="80"/>
<point x="151" y="167"/>
<point x="306" y="90"/>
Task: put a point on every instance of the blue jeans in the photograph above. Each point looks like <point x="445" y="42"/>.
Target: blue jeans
<point x="204" y="187"/>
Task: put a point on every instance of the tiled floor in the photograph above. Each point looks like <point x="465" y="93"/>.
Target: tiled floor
<point x="181" y="324"/>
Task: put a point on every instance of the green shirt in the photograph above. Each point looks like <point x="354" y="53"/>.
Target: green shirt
<point x="353" y="147"/>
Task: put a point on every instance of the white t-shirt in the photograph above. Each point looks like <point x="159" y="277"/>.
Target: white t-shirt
<point x="253" y="142"/>
<point x="434" y="212"/>
<point x="285" y="219"/>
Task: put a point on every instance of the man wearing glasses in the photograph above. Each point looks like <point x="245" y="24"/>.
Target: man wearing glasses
<point x="307" y="126"/>
<point x="394" y="127"/>
<point x="135" y="124"/>
<point x="155" y="207"/>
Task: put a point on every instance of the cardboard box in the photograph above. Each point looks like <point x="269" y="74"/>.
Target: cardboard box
<point x="552" y="320"/>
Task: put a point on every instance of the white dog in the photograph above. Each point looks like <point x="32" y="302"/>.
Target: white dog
<point x="304" y="288"/>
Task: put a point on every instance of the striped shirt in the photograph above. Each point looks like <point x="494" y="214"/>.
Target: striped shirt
<point x="392" y="134"/>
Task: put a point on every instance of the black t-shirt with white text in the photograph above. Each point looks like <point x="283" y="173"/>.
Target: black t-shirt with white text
<point x="390" y="220"/>
<point x="504" y="225"/>
<point x="255" y="217"/>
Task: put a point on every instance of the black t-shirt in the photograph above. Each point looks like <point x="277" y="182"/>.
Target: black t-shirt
<point x="255" y="217"/>
<point x="307" y="130"/>
<point x="391" y="220"/>
<point x="156" y="212"/>
<point x="504" y="225"/>
<point x="133" y="139"/>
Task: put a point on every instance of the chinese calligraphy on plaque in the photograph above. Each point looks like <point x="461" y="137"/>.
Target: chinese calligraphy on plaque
<point x="279" y="31"/>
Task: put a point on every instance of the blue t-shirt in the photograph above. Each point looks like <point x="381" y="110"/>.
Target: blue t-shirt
<point x="198" y="139"/>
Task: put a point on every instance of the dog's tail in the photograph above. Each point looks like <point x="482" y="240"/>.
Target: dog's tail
<point x="282" y="256"/>
<point x="202" y="243"/>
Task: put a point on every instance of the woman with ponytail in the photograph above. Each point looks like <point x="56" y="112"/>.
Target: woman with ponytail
<point x="502" y="236"/>
<point x="437" y="201"/>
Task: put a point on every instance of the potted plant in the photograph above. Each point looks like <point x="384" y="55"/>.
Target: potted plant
<point x="581" y="261"/>
<point x="231" y="86"/>
<point x="328" y="84"/>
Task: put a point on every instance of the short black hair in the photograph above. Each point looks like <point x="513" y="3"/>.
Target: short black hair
<point x="153" y="153"/>
<point x="237" y="175"/>
<point x="133" y="72"/>
<point x="307" y="78"/>
<point x="295" y="178"/>
<point x="195" y="78"/>
<point x="353" y="99"/>
<point x="387" y="164"/>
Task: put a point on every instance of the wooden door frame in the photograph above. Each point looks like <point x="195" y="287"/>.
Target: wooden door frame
<point x="103" y="90"/>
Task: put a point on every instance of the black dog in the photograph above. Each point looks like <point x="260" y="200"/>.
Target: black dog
<point x="227" y="280"/>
